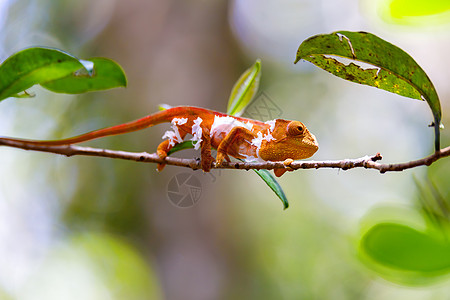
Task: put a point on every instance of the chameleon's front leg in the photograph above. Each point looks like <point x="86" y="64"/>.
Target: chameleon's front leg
<point x="233" y="139"/>
<point x="205" y="150"/>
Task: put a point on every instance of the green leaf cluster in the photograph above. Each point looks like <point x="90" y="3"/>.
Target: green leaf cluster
<point x="57" y="71"/>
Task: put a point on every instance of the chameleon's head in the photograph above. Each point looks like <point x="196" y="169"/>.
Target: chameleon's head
<point x="291" y="140"/>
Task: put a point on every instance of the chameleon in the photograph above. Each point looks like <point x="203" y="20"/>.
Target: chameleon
<point x="243" y="138"/>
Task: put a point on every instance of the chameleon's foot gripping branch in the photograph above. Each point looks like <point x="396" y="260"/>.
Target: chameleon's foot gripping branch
<point x="368" y="162"/>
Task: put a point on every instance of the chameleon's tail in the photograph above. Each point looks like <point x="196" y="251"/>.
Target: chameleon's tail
<point x="148" y="121"/>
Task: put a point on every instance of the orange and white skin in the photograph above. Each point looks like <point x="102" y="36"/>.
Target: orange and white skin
<point x="251" y="140"/>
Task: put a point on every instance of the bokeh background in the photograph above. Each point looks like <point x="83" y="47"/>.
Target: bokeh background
<point x="95" y="228"/>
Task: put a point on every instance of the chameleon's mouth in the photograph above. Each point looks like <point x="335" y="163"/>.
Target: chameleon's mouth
<point x="310" y="146"/>
<point x="313" y="141"/>
<point x="307" y="152"/>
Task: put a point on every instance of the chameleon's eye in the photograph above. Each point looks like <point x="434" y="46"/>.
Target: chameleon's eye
<point x="295" y="128"/>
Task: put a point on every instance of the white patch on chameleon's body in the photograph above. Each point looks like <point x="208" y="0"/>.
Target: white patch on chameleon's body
<point x="257" y="141"/>
<point x="222" y="124"/>
<point x="251" y="158"/>
<point x="271" y="123"/>
<point x="174" y="136"/>
<point x="197" y="133"/>
<point x="225" y="124"/>
<point x="179" y="121"/>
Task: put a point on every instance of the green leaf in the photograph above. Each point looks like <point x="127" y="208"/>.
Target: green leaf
<point x="405" y="248"/>
<point x="57" y="71"/>
<point x="241" y="95"/>
<point x="270" y="180"/>
<point x="244" y="89"/>
<point x="400" y="248"/>
<point x="181" y="146"/>
<point x="106" y="74"/>
<point x="390" y="68"/>
<point x="32" y="66"/>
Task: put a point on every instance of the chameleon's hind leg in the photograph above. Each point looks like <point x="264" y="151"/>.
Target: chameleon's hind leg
<point x="165" y="147"/>
<point x="206" y="157"/>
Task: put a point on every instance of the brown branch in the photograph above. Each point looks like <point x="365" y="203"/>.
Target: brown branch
<point x="368" y="162"/>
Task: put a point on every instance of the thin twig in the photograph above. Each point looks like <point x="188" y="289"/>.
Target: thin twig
<point x="368" y="162"/>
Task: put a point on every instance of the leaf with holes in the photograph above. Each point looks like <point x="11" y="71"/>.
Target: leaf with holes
<point x="385" y="66"/>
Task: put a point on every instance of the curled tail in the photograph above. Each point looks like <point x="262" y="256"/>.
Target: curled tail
<point x="145" y="122"/>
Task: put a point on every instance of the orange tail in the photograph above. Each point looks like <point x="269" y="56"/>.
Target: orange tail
<point x="148" y="121"/>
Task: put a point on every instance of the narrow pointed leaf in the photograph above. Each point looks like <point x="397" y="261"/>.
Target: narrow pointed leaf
<point x="241" y="95"/>
<point x="270" y="180"/>
<point x="389" y="67"/>
<point x="244" y="89"/>
<point x="265" y="175"/>
<point x="105" y="74"/>
<point x="32" y="66"/>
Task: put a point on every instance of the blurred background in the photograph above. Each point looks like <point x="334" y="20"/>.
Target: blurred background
<point x="96" y="228"/>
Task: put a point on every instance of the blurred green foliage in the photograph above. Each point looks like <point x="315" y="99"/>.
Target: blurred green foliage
<point x="418" y="13"/>
<point x="106" y="266"/>
<point x="408" y="256"/>
<point x="415" y="8"/>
